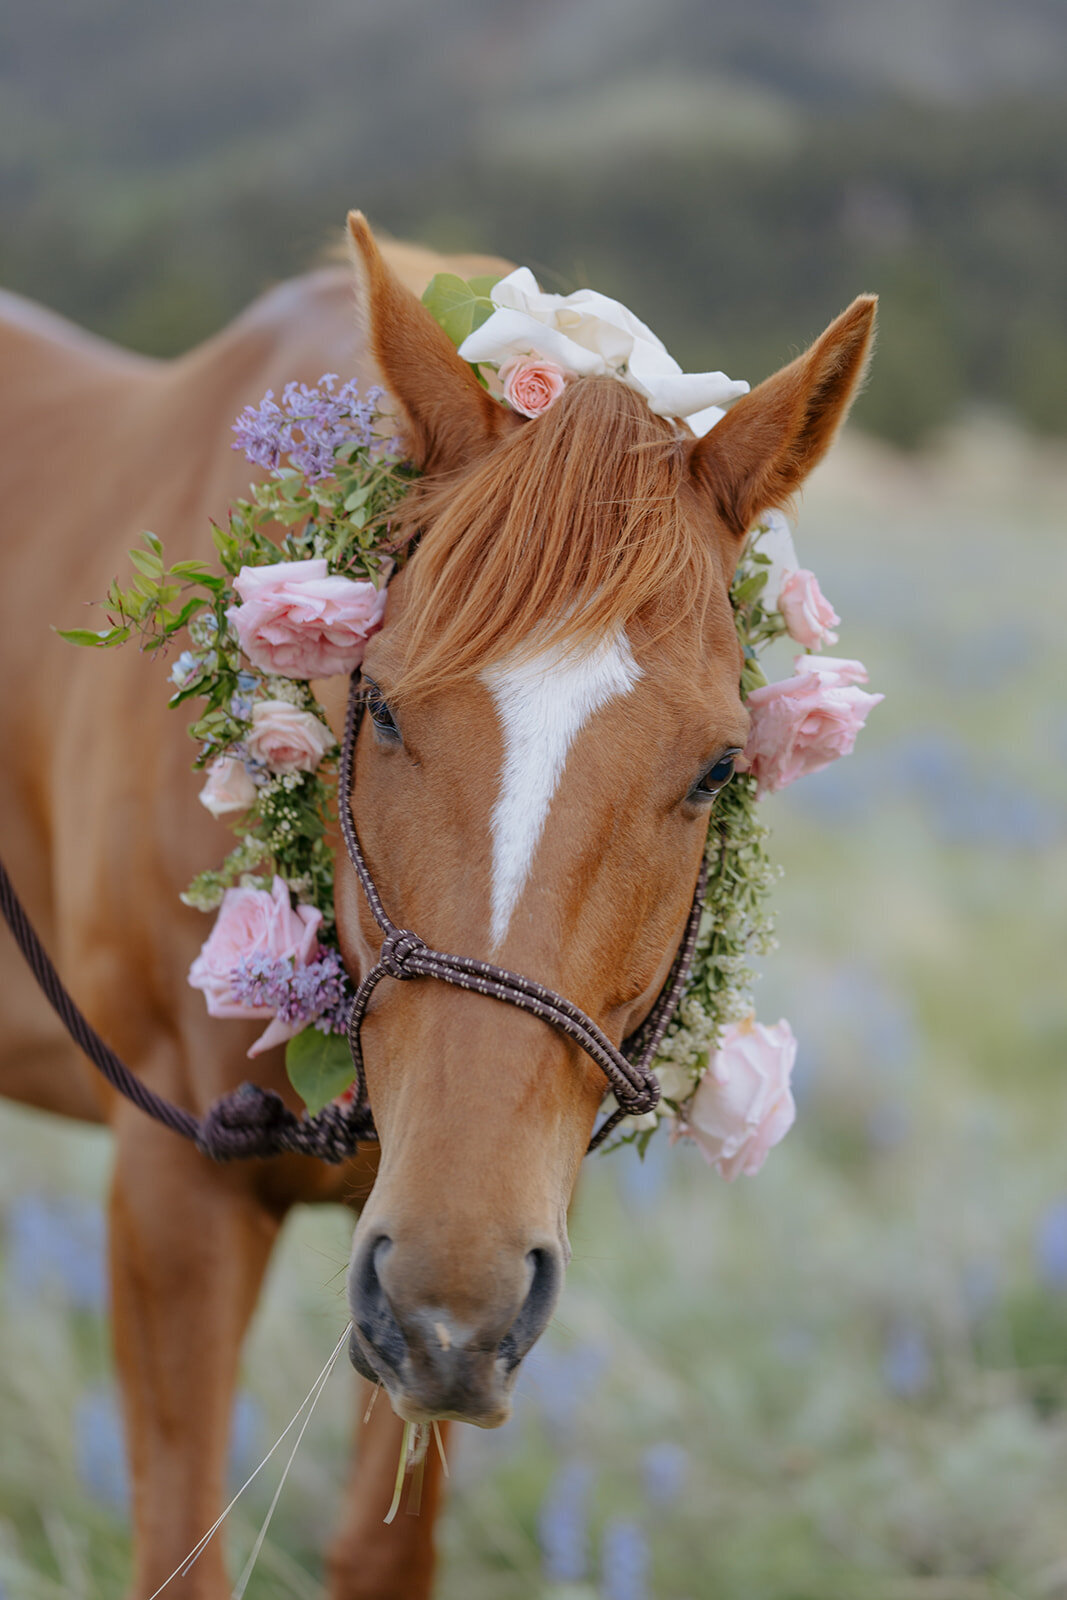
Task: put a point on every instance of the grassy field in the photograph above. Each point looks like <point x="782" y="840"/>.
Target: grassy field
<point x="844" y="1380"/>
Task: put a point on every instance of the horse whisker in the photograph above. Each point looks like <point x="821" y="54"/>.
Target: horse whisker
<point x="311" y="1396"/>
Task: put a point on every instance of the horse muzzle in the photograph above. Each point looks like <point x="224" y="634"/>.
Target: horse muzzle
<point x="438" y="1363"/>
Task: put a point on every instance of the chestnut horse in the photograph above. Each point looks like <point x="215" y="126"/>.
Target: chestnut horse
<point x="557" y="672"/>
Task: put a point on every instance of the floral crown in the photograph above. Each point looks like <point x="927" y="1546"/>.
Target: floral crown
<point x="299" y="602"/>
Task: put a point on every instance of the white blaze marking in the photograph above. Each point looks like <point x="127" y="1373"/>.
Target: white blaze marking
<point x="543" y="702"/>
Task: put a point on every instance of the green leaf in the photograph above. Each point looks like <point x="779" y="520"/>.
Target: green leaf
<point x="752" y="677"/>
<point x="484" y="285"/>
<point x="99" y="640"/>
<point x="749" y="588"/>
<point x="458" y="306"/>
<point x="147" y="562"/>
<point x="319" y="1067"/>
<point x="153" y="542"/>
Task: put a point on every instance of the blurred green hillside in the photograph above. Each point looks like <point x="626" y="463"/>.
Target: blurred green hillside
<point x="735" y="173"/>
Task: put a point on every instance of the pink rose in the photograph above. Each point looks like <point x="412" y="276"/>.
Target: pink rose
<point x="299" y="622"/>
<point x="743" y="1104"/>
<point x="287" y="739"/>
<point x="809" y="616"/>
<point x="228" y="787"/>
<point x="532" y="383"/>
<point x="253" y="923"/>
<point x="803" y="723"/>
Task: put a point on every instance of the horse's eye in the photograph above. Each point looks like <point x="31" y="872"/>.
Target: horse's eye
<point x="380" y="714"/>
<point x="716" y="777"/>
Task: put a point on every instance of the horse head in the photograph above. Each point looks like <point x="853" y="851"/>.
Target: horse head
<point x="553" y="704"/>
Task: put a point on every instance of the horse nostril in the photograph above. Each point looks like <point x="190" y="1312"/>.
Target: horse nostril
<point x="371" y="1311"/>
<point x="536" y="1310"/>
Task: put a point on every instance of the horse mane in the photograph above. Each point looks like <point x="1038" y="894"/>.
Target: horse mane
<point x="565" y="532"/>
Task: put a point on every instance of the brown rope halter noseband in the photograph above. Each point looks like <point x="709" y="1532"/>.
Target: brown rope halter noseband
<point x="404" y="955"/>
<point x="252" y="1121"/>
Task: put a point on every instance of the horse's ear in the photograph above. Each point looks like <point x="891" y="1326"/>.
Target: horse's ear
<point x="759" y="454"/>
<point x="450" y="418"/>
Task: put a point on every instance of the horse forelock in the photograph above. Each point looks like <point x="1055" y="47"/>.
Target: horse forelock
<point x="558" y="538"/>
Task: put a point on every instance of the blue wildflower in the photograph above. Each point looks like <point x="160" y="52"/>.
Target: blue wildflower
<point x="664" y="1470"/>
<point x="55" y="1243"/>
<point x="186" y="669"/>
<point x="563" y="1524"/>
<point x="906" y="1365"/>
<point x="246" y="1437"/>
<point x="99" y="1450"/>
<point x="624" y="1561"/>
<point x="1051" y="1243"/>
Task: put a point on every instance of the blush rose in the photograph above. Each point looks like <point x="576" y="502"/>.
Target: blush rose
<point x="803" y="723"/>
<point x="809" y="617"/>
<point x="287" y="739"/>
<point x="743" y="1104"/>
<point x="228" y="787"/>
<point x="532" y="383"/>
<point x="298" y="621"/>
<point x="254" y="923"/>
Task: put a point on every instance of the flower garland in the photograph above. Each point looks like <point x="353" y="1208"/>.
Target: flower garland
<point x="302" y="603"/>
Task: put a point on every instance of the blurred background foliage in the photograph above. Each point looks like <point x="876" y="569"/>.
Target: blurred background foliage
<point x="735" y="172"/>
<point x="847" y="1379"/>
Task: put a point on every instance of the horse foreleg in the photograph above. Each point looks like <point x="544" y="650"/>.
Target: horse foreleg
<point x="189" y="1246"/>
<point x="370" y="1559"/>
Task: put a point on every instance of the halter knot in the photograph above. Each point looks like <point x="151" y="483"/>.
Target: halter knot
<point x="246" y="1122"/>
<point x="397" y="951"/>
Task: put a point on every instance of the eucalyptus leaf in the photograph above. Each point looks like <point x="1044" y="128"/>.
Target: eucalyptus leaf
<point x="319" y="1066"/>
<point x="457" y="305"/>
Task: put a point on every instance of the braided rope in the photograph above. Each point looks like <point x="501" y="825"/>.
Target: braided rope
<point x="247" y="1122"/>
<point x="404" y="955"/>
<point x="251" y="1122"/>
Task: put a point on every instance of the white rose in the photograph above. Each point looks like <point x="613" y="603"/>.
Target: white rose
<point x="743" y="1104"/>
<point x="774" y="538"/>
<point x="228" y="787"/>
<point x="588" y="334"/>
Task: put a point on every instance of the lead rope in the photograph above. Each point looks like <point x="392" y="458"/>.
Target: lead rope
<point x="255" y="1122"/>
<point x="404" y="955"/>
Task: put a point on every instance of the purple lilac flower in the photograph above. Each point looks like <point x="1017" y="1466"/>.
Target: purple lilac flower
<point x="624" y="1561"/>
<point x="317" y="994"/>
<point x="309" y="425"/>
<point x="241" y="707"/>
<point x="562" y="1525"/>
